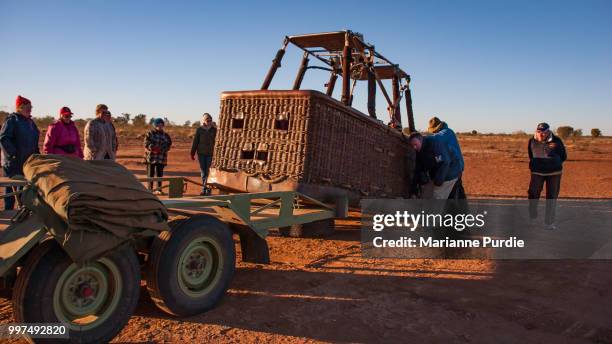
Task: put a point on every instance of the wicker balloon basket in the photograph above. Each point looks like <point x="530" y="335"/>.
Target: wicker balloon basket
<point x="309" y="142"/>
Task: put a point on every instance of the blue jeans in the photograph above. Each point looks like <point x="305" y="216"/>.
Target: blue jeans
<point x="205" y="162"/>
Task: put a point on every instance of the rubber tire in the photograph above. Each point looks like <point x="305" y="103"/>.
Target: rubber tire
<point x="317" y="229"/>
<point x="162" y="268"/>
<point x="33" y="291"/>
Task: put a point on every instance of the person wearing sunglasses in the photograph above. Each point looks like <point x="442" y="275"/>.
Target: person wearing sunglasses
<point x="63" y="136"/>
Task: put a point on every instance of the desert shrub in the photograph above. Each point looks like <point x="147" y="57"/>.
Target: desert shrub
<point x="139" y="120"/>
<point x="187" y="124"/>
<point x="474" y="132"/>
<point x="577" y="133"/>
<point x="123" y="119"/>
<point x="519" y="133"/>
<point x="595" y="132"/>
<point x="565" y="131"/>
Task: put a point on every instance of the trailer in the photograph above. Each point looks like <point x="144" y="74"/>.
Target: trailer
<point x="187" y="269"/>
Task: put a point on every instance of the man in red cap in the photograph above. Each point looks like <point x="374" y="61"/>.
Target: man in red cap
<point x="63" y="136"/>
<point x="18" y="140"/>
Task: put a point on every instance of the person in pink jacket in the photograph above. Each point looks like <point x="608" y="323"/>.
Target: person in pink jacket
<point x="63" y="136"/>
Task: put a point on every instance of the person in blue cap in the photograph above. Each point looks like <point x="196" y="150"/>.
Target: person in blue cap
<point x="157" y="144"/>
<point x="546" y="156"/>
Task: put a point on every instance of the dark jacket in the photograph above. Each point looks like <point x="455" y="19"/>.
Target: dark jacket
<point x="157" y="144"/>
<point x="18" y="140"/>
<point x="204" y="141"/>
<point x="547" y="156"/>
<point x="435" y="162"/>
<point x="447" y="135"/>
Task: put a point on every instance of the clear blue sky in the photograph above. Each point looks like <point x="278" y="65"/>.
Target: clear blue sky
<point x="493" y="66"/>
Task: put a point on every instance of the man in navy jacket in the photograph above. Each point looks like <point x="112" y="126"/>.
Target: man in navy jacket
<point x="546" y="156"/>
<point x="18" y="140"/>
<point x="437" y="168"/>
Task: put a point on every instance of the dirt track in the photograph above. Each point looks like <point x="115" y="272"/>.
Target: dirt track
<point x="323" y="290"/>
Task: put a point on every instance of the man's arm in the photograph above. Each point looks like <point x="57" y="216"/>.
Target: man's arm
<point x="90" y="137"/>
<point x="562" y="151"/>
<point x="529" y="152"/>
<point x="7" y="135"/>
<point x="37" y="138"/>
<point x="147" y="141"/>
<point x="195" y="142"/>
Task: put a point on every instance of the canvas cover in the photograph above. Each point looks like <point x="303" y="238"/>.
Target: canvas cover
<point x="100" y="203"/>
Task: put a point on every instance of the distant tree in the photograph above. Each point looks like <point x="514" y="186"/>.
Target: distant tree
<point x="195" y="124"/>
<point x="123" y="119"/>
<point x="187" y="124"/>
<point x="474" y="132"/>
<point x="577" y="133"/>
<point x="519" y="133"/>
<point x="595" y="132"/>
<point x="565" y="131"/>
<point x="139" y="120"/>
<point x="126" y="116"/>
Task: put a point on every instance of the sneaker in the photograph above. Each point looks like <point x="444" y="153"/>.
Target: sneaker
<point x="551" y="227"/>
<point x="203" y="193"/>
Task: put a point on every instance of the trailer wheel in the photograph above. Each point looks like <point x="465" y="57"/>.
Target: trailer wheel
<point x="317" y="229"/>
<point x="191" y="266"/>
<point x="95" y="300"/>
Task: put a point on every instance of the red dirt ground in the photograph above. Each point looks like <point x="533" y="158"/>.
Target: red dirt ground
<point x="322" y="290"/>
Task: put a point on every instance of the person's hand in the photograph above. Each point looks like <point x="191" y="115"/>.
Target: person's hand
<point x="192" y="156"/>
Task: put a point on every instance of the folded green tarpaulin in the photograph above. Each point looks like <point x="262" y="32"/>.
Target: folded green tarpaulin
<point x="101" y="202"/>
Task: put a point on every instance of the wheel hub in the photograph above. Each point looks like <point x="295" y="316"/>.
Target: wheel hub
<point x="198" y="266"/>
<point x="85" y="296"/>
<point x="86" y="291"/>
